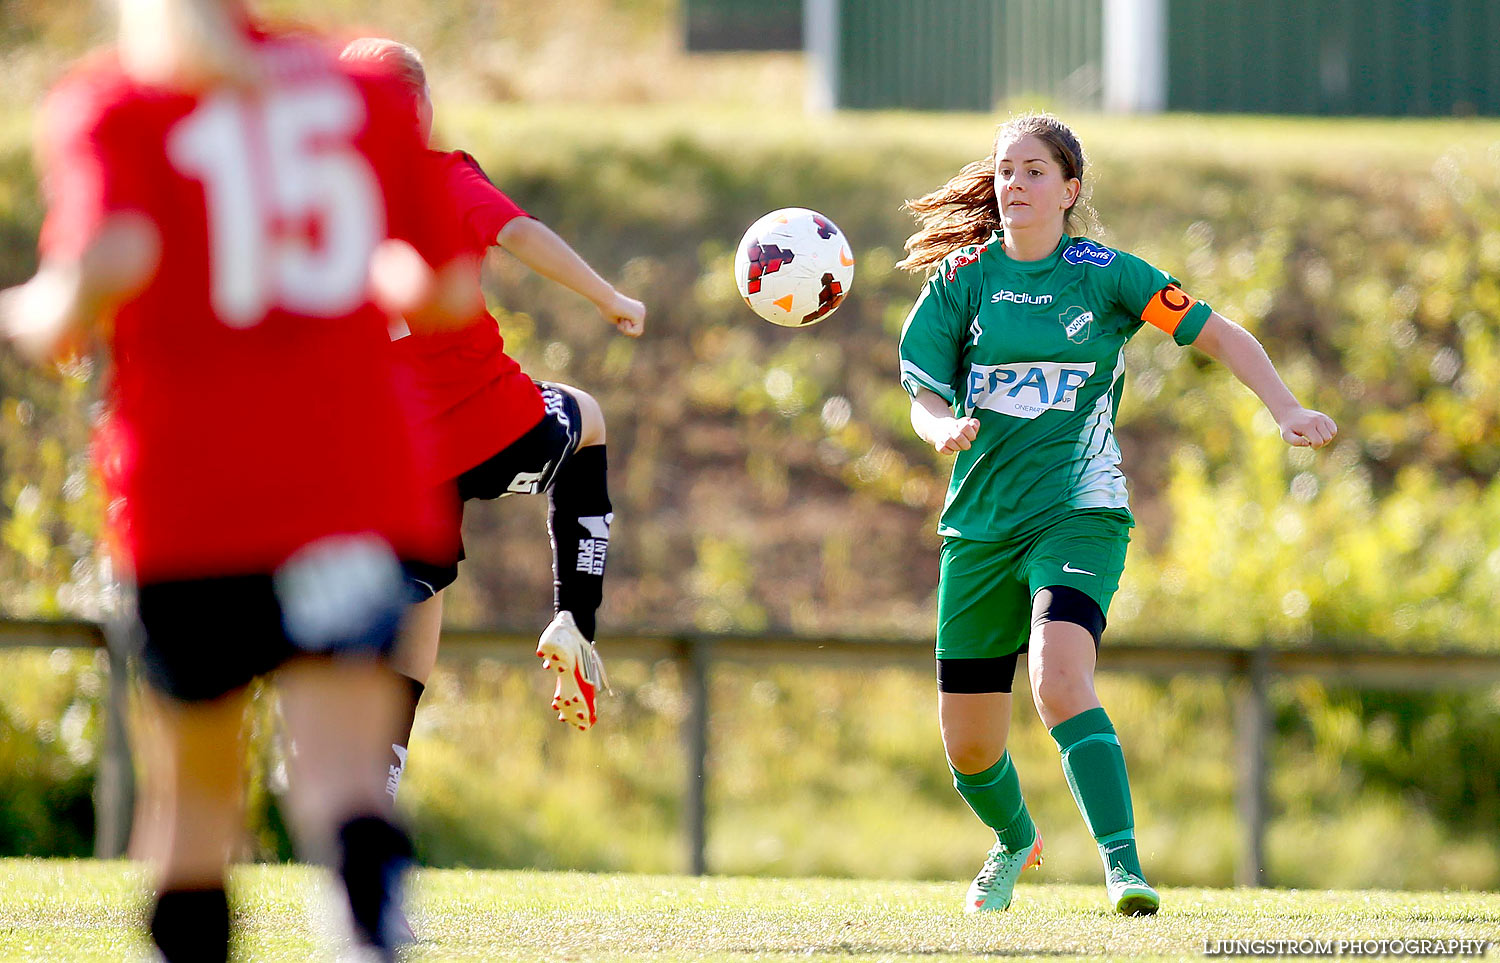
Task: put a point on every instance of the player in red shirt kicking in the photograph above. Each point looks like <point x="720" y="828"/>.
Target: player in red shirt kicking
<point x="497" y="432"/>
<point x="217" y="194"/>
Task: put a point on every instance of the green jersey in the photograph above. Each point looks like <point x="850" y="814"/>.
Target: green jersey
<point x="1036" y="351"/>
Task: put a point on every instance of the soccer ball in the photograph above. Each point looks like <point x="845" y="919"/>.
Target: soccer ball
<point x="793" y="267"/>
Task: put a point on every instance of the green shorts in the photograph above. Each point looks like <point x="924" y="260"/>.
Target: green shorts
<point x="985" y="588"/>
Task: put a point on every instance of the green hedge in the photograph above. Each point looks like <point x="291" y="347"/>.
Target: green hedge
<point x="1366" y="256"/>
<point x="766" y="477"/>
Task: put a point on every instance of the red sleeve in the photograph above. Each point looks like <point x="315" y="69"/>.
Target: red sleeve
<point x="86" y="167"/>
<point x="486" y="209"/>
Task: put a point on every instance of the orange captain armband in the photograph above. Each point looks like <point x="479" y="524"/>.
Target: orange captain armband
<point x="1168" y="307"/>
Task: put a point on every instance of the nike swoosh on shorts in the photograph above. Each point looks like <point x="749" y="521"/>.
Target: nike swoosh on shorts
<point x="1075" y="571"/>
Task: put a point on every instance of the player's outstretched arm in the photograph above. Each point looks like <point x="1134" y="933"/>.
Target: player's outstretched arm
<point x="934" y="423"/>
<point x="66" y="296"/>
<point x="1240" y="352"/>
<point x="539" y="248"/>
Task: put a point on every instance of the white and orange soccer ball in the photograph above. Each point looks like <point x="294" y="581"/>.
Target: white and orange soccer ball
<point x="794" y="267"/>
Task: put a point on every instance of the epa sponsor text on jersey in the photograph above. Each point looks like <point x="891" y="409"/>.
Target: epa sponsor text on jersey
<point x="1027" y="389"/>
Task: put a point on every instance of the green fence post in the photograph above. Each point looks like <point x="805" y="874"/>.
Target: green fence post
<point x="1253" y="730"/>
<point x="694" y="659"/>
<point x="114" y="784"/>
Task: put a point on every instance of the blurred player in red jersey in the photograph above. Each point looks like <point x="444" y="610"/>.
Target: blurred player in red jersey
<point x="217" y="196"/>
<point x="497" y="432"/>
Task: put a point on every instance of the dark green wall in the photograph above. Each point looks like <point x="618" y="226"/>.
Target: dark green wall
<point x="1373" y="57"/>
<point x="1392" y="57"/>
<point x="968" y="54"/>
<point x="743" y="24"/>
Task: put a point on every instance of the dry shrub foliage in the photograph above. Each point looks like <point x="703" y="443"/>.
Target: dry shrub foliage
<point x="614" y="51"/>
<point x="766" y="478"/>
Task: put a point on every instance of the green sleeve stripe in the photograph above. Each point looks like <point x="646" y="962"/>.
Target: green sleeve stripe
<point x="913" y="378"/>
<point x="1192" y="324"/>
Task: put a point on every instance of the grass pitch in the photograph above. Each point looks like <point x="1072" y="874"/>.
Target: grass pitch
<point x="86" y="910"/>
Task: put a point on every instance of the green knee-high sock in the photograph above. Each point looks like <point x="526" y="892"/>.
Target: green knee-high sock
<point x="1095" y="767"/>
<point x="995" y="797"/>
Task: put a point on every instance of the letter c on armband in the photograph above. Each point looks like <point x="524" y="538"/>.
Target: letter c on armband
<point x="1168" y="307"/>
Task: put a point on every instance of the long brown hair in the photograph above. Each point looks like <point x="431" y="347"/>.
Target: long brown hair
<point x="964" y="211"/>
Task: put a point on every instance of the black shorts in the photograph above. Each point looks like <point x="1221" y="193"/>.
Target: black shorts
<point x="526" y="466"/>
<point x="1052" y="603"/>
<point x="204" y="638"/>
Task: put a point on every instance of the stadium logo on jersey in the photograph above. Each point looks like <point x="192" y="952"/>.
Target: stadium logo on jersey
<point x="1077" y="323"/>
<point x="1087" y="252"/>
<point x="1027" y="389"/>
<point x="1019" y="297"/>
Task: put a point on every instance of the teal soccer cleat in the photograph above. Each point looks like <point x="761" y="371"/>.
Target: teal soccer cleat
<point x="993" y="887"/>
<point x="1131" y="895"/>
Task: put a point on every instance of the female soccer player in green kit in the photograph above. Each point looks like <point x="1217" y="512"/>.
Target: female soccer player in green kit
<point x="1013" y="355"/>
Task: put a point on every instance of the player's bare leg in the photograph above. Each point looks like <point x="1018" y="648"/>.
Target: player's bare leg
<point x="336" y="714"/>
<point x="410" y="666"/>
<point x="1062" y="684"/>
<point x="334" y="711"/>
<point x="1061" y="665"/>
<point x="192" y="820"/>
<point x="592" y="429"/>
<point x="417" y="649"/>
<point x="975" y="726"/>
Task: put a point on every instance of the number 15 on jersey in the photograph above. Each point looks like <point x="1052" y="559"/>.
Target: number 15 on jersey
<point x="294" y="210"/>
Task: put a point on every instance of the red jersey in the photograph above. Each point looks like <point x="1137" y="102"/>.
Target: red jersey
<point x="253" y="406"/>
<point x="471" y="398"/>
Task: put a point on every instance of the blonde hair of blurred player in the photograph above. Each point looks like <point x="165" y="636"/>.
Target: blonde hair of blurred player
<point x="185" y="44"/>
<point x="404" y="63"/>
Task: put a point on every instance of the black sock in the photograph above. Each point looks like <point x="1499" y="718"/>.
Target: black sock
<point x="401" y="736"/>
<point x="373" y="854"/>
<point x="192" y="925"/>
<point x="579" y="525"/>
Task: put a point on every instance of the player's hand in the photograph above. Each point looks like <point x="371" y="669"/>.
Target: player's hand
<point x="1305" y="428"/>
<point x="625" y="313"/>
<point x="953" y="435"/>
<point x="34" y="316"/>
